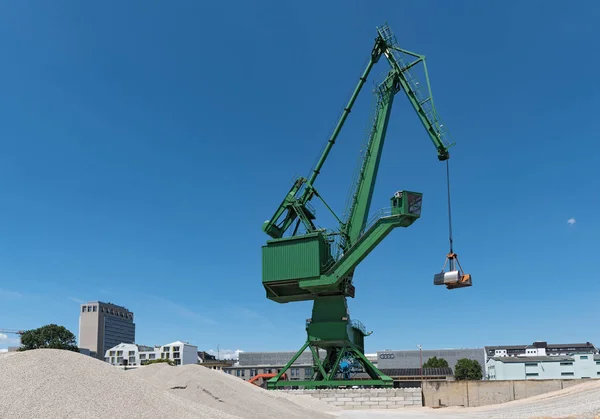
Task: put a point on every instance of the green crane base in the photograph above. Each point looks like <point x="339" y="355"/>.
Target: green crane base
<point x="331" y="329"/>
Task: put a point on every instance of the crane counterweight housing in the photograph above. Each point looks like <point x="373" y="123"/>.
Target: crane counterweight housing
<point x="304" y="262"/>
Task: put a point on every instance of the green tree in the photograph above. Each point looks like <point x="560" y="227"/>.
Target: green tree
<point x="159" y="361"/>
<point x="436" y="362"/>
<point x="467" y="369"/>
<point x="50" y="336"/>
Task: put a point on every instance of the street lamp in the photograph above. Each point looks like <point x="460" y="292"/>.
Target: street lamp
<point x="421" y="363"/>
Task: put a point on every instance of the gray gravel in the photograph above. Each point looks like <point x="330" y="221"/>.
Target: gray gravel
<point x="230" y="394"/>
<point x="49" y="383"/>
<point x="57" y="384"/>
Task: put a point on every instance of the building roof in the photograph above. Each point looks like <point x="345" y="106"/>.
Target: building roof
<point x="548" y="346"/>
<point x="506" y="347"/>
<point x="416" y="372"/>
<point x="180" y="343"/>
<point x="571" y="345"/>
<point x="523" y="359"/>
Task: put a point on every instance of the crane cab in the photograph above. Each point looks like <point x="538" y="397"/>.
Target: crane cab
<point x="407" y="203"/>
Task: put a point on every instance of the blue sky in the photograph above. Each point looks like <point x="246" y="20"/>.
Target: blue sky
<point x="143" y="144"/>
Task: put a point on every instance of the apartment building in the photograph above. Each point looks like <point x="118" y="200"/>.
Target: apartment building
<point x="182" y="353"/>
<point x="103" y="326"/>
<point x="131" y="354"/>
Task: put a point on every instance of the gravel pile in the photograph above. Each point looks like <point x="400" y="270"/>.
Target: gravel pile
<point x="230" y="394"/>
<point x="48" y="383"/>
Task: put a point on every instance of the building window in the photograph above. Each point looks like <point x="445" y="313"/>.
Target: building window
<point x="119" y="353"/>
<point x="237" y="373"/>
<point x="175" y="355"/>
<point x="597" y="362"/>
<point x="583" y="357"/>
<point x="175" y="348"/>
<point x="566" y="363"/>
<point x="131" y="353"/>
<point x="142" y="356"/>
<point x="531" y="364"/>
<point x="567" y="373"/>
<point x="83" y="309"/>
<point x="178" y="362"/>
<point x="112" y="353"/>
<point x="152" y="356"/>
<point x="94" y="308"/>
<point x="132" y="360"/>
<point x="308" y="372"/>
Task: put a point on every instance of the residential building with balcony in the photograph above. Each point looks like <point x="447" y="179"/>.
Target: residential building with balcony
<point x="181" y="353"/>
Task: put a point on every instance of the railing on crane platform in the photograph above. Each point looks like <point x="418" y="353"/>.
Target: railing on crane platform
<point x="337" y="240"/>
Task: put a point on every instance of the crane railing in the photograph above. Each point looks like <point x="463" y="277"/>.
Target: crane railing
<point x="357" y="324"/>
<point x="337" y="241"/>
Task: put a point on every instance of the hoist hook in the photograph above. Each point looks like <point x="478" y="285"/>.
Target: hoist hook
<point x="454" y="278"/>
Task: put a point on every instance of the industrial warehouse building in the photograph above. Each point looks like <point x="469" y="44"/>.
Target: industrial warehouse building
<point x="254" y="363"/>
<point x="541" y="348"/>
<point x="402" y="366"/>
<point x="544" y="367"/>
<point x="411" y="359"/>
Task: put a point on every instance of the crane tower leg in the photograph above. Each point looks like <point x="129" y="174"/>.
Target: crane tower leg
<point x="330" y="331"/>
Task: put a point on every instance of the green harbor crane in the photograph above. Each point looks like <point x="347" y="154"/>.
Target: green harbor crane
<point x="304" y="262"/>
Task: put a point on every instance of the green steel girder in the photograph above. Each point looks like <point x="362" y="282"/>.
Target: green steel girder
<point x="361" y="201"/>
<point x="331" y="329"/>
<point x="356" y="254"/>
<point x="330" y="383"/>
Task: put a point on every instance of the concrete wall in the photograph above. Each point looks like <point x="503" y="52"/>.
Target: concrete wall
<point x="393" y="398"/>
<point x="482" y="393"/>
